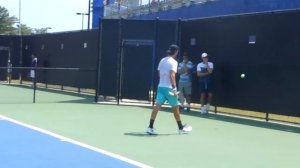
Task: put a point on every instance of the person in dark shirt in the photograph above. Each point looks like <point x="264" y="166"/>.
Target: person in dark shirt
<point x="204" y="72"/>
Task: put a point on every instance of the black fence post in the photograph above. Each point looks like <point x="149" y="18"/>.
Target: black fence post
<point x="119" y="67"/>
<point x="34" y="85"/>
<point x="154" y="59"/>
<point x="98" y="70"/>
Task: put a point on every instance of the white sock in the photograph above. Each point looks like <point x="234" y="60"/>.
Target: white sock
<point x="207" y="106"/>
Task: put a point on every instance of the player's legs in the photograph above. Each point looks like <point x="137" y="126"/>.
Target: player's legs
<point x="160" y="99"/>
<point x="173" y="100"/>
<point x="202" y="99"/>
<point x="8" y="77"/>
<point x="183" y="129"/>
<point x="155" y="110"/>
<point x="181" y="94"/>
<point x="177" y="116"/>
<point x="209" y="94"/>
<point x="188" y="93"/>
<point x="202" y="88"/>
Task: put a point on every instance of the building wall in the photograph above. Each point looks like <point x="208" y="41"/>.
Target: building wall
<point x="223" y="7"/>
<point x="216" y="8"/>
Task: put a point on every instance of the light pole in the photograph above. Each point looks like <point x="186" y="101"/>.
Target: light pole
<point x="21" y="42"/>
<point x="82" y="15"/>
<point x="19" y="17"/>
<point x="89" y="14"/>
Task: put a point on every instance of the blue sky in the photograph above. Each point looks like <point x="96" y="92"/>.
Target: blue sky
<point x="60" y="15"/>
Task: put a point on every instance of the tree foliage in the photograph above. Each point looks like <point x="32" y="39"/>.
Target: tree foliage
<point x="6" y="22"/>
<point x="7" y="25"/>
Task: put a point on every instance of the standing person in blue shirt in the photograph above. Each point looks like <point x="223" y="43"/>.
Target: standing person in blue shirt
<point x="185" y="81"/>
<point x="33" y="66"/>
<point x="204" y="72"/>
<point x="167" y="90"/>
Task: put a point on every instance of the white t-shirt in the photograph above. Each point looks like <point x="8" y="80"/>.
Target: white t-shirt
<point x="166" y="65"/>
<point x="202" y="67"/>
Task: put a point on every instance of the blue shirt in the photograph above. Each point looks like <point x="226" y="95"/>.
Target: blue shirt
<point x="185" y="76"/>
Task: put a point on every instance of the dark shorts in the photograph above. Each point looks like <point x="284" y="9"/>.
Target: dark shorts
<point x="205" y="86"/>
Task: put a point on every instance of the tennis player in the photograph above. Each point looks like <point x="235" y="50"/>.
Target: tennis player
<point x="167" y="90"/>
<point x="204" y="72"/>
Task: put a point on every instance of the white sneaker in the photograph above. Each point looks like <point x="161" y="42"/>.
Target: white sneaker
<point x="207" y="108"/>
<point x="203" y="110"/>
<point x="151" y="131"/>
<point x="186" y="129"/>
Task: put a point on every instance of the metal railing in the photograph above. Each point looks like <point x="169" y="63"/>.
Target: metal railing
<point x="130" y="8"/>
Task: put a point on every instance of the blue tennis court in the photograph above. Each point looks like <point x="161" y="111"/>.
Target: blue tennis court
<point x="28" y="148"/>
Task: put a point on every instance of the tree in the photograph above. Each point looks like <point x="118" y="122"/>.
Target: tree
<point x="25" y="30"/>
<point x="6" y="22"/>
<point x="42" y="30"/>
<point x="7" y="25"/>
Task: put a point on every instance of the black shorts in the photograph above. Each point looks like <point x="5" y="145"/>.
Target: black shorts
<point x="205" y="86"/>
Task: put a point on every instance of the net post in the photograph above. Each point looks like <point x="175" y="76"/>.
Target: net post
<point x="119" y="69"/>
<point x="267" y="116"/>
<point x="34" y="85"/>
<point x="98" y="65"/>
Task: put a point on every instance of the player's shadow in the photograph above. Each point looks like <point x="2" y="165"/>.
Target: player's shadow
<point x="238" y="120"/>
<point x="144" y="134"/>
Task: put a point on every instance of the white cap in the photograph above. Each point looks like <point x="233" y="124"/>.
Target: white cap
<point x="204" y="55"/>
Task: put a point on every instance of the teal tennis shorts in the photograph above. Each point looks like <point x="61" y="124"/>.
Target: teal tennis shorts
<point x="163" y="95"/>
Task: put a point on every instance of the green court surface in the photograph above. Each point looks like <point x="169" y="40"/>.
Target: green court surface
<point x="216" y="141"/>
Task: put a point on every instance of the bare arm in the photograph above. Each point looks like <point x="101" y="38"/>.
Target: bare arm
<point x="200" y="74"/>
<point x="172" y="77"/>
<point x="209" y="69"/>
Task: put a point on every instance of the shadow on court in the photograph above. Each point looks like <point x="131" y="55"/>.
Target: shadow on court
<point x="236" y="120"/>
<point x="143" y="134"/>
<point x="58" y="96"/>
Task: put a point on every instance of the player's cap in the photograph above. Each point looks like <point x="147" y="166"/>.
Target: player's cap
<point x="204" y="55"/>
<point x="173" y="48"/>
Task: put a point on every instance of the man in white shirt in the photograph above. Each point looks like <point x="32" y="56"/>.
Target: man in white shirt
<point x="167" y="90"/>
<point x="204" y="72"/>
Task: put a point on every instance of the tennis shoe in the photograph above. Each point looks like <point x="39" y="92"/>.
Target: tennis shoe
<point x="151" y="131"/>
<point x="203" y="110"/>
<point x="185" y="130"/>
<point x="207" y="109"/>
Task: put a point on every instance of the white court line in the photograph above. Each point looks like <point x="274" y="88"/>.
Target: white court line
<point x="62" y="138"/>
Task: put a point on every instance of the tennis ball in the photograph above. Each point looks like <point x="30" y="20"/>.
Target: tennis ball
<point x="243" y="75"/>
